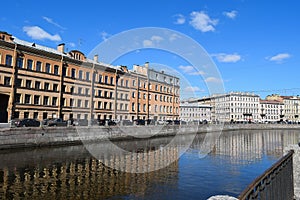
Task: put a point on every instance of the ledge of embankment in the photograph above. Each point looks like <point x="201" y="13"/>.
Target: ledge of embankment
<point x="50" y="136"/>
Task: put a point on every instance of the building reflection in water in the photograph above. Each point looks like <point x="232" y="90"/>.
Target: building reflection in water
<point x="249" y="146"/>
<point x="72" y="173"/>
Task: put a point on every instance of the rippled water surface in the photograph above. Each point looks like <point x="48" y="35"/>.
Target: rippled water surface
<point x="71" y="172"/>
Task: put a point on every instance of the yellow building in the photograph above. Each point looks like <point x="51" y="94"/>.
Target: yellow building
<point x="41" y="82"/>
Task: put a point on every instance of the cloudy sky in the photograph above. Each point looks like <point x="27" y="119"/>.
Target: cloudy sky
<point x="253" y="43"/>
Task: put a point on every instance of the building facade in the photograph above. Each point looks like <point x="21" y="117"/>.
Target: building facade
<point x="291" y="111"/>
<point x="194" y="111"/>
<point x="271" y="111"/>
<point x="41" y="82"/>
<point x="233" y="107"/>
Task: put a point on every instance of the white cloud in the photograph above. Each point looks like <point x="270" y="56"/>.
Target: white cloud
<point x="154" y="40"/>
<point x="50" y="21"/>
<point x="231" y="14"/>
<point x="174" y="36"/>
<point x="279" y="57"/>
<point x="213" y="80"/>
<point x="180" y="19"/>
<point x="202" y="22"/>
<point x="104" y="35"/>
<point x="38" y="33"/>
<point x="147" y="43"/>
<point x="227" y="58"/>
<point x="190" y="70"/>
<point x="193" y="89"/>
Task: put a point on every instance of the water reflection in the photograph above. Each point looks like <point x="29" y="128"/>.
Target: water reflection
<point x="72" y="173"/>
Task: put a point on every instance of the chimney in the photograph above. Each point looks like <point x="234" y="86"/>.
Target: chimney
<point x="96" y="58"/>
<point x="61" y="48"/>
<point x="147" y="64"/>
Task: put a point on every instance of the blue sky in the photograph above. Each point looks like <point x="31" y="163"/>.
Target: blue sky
<point x="254" y="43"/>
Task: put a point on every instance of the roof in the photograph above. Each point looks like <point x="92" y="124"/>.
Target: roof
<point x="37" y="46"/>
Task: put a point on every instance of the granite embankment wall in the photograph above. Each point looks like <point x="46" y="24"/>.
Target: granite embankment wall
<point x="47" y="136"/>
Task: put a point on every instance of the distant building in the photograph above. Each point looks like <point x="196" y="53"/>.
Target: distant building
<point x="194" y="111"/>
<point x="291" y="110"/>
<point x="41" y="82"/>
<point x="271" y="111"/>
<point x="233" y="107"/>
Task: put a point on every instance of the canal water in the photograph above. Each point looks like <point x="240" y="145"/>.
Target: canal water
<point x="71" y="172"/>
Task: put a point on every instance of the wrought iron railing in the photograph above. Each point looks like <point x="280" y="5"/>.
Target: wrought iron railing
<point x="275" y="183"/>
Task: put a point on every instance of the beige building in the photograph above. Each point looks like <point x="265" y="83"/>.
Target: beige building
<point x="41" y="82"/>
<point x="291" y="110"/>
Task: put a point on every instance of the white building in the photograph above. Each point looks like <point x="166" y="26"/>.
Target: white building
<point x="234" y="107"/>
<point x="271" y="111"/>
<point x="194" y="111"/>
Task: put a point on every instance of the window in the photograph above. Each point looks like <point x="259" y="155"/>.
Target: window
<point x="73" y="73"/>
<point x="111" y="80"/>
<point x="18" y="98"/>
<point x="86" y="103"/>
<point x="35" y="115"/>
<point x="28" y="83"/>
<point x="79" y="103"/>
<point x="38" y="66"/>
<point x="47" y="68"/>
<point x="80" y="74"/>
<point x="105" y="79"/>
<point x="37" y="85"/>
<point x="132" y="107"/>
<point x="17" y="115"/>
<point x="100" y="78"/>
<point x="87" y="91"/>
<point x="87" y="76"/>
<point x="46" y="86"/>
<point x="71" y="102"/>
<point x="56" y="69"/>
<point x="20" y="62"/>
<point x="99" y="93"/>
<point x="133" y="82"/>
<point x="144" y="107"/>
<point x="54" y="101"/>
<point x="8" y="60"/>
<point x="79" y="90"/>
<point x="27" y="98"/>
<point x="63" y="88"/>
<point x="36" y="99"/>
<point x="126" y="83"/>
<point x="45" y="115"/>
<point x="46" y="100"/>
<point x="29" y="64"/>
<point x="26" y="115"/>
<point x="133" y="94"/>
<point x="7" y="81"/>
<point x="55" y="87"/>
